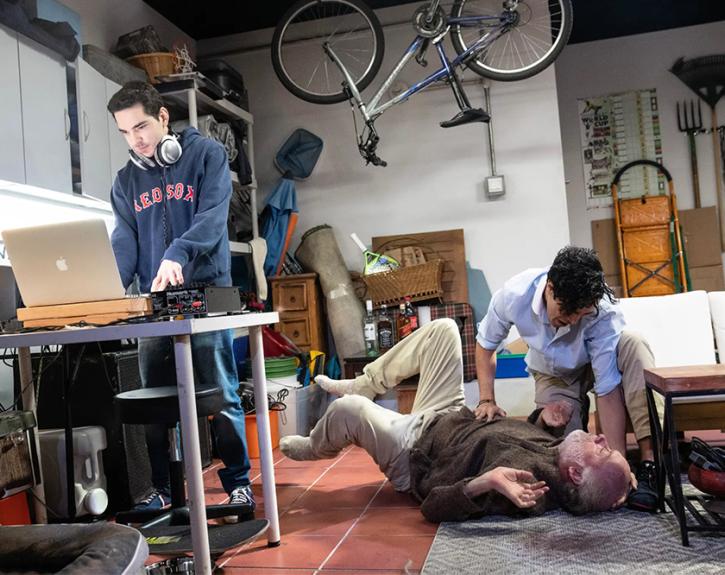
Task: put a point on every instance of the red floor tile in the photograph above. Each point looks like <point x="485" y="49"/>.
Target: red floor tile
<point x="404" y="521"/>
<point x="367" y="572"/>
<point x="350" y="476"/>
<point x="302" y="521"/>
<point x="266" y="571"/>
<point x="286" y="495"/>
<point x="381" y="552"/>
<point x="388" y="497"/>
<point x="333" y="497"/>
<point x="295" y="551"/>
<point x="299" y="476"/>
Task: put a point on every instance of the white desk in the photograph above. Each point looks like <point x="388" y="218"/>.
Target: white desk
<point x="180" y="330"/>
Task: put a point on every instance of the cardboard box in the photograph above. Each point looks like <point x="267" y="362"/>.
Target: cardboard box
<point x="708" y="278"/>
<point x="701" y="236"/>
<point x="604" y="241"/>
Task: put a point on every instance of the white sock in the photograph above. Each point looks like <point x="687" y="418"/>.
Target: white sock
<point x="345" y="386"/>
<point x="336" y="386"/>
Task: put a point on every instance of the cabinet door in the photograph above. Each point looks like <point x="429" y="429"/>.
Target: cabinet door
<point x="46" y="123"/>
<point x="12" y="164"/>
<point x="118" y="146"/>
<point x="93" y="137"/>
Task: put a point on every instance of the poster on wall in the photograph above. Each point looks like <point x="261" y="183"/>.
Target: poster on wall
<point x="615" y="130"/>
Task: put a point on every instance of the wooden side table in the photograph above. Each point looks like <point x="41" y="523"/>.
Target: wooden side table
<point x="692" y="384"/>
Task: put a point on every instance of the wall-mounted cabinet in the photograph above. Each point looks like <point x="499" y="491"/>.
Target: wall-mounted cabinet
<point x="34" y="118"/>
<point x="103" y="148"/>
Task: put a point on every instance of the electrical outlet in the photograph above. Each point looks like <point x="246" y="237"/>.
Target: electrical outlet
<point x="495" y="186"/>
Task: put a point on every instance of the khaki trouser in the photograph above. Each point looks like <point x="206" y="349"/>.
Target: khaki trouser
<point x="633" y="357"/>
<point x="433" y="352"/>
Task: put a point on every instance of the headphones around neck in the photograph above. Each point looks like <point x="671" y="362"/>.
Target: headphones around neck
<point x="167" y="152"/>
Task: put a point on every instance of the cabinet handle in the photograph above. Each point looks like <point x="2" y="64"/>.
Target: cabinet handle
<point x="86" y="127"/>
<point x="66" y="123"/>
<point x="293" y="299"/>
<point x="295" y="334"/>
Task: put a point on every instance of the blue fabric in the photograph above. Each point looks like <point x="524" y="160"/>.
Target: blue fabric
<point x="195" y="193"/>
<point x="559" y="352"/>
<point x="299" y="154"/>
<point x="213" y="360"/>
<point x="281" y="203"/>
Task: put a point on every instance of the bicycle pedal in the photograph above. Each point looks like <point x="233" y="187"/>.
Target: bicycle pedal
<point x="466" y="117"/>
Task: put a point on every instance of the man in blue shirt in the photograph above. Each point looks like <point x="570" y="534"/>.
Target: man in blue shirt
<point x="575" y="332"/>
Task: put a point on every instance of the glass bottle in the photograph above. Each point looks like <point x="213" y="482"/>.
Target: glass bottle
<point x="402" y="322"/>
<point x="370" y="331"/>
<point x="385" y="330"/>
<point x="411" y="314"/>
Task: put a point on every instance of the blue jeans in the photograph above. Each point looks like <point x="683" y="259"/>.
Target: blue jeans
<point x="214" y="365"/>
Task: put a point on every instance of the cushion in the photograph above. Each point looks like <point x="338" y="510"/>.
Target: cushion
<point x="677" y="327"/>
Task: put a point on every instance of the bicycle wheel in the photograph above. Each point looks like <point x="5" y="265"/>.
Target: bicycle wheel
<point x="349" y="27"/>
<point x="531" y="35"/>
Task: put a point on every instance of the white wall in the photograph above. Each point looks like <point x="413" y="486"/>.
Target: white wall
<point x="434" y="178"/>
<point x="632" y="63"/>
<point x="103" y="21"/>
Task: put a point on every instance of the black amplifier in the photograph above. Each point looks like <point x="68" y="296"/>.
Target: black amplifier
<point x="200" y="300"/>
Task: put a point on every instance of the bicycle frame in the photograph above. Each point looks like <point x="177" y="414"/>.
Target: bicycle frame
<point x="373" y="109"/>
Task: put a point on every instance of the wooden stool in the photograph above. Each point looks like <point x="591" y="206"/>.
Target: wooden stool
<point x="692" y="385"/>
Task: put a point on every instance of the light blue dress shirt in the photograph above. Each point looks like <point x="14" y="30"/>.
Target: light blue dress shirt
<point x="561" y="352"/>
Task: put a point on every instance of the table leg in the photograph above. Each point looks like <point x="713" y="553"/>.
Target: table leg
<point x="656" y="435"/>
<point x="674" y="472"/>
<point x="192" y="453"/>
<point x="28" y="396"/>
<point x="264" y="434"/>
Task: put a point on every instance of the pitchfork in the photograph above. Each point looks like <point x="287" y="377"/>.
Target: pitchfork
<point x="691" y="125"/>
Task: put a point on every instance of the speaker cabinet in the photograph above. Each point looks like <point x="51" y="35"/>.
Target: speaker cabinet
<point x="100" y="377"/>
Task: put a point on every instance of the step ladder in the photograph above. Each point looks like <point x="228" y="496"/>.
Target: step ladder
<point x="651" y="257"/>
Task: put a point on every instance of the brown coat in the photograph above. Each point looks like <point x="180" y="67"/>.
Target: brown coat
<point x="457" y="447"/>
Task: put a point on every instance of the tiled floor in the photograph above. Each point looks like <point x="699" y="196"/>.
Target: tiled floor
<point x="336" y="516"/>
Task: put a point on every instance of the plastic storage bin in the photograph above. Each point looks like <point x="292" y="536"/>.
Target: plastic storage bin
<point x="90" y="481"/>
<point x="511" y="365"/>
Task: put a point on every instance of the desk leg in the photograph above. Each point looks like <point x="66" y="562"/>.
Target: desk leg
<point x="265" y="437"/>
<point x="192" y="454"/>
<point x="28" y="395"/>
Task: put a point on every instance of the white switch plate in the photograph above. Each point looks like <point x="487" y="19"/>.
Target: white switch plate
<point x="495" y="186"/>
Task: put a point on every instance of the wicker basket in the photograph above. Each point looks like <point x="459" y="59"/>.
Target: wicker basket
<point x="155" y="64"/>
<point x="419" y="282"/>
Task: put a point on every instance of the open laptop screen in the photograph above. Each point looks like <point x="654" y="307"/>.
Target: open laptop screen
<point x="61" y="263"/>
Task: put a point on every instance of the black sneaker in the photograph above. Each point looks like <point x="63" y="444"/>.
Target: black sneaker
<point x="241" y="496"/>
<point x="644" y="498"/>
<point x="157" y="499"/>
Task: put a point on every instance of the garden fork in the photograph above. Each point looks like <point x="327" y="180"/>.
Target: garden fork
<point x="691" y="125"/>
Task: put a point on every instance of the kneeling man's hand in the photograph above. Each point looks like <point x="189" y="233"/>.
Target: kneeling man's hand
<point x="557" y="413"/>
<point x="488" y="412"/>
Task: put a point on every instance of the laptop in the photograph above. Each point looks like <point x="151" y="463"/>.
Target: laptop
<point x="69" y="262"/>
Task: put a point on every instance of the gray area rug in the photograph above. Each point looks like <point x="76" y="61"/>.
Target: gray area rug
<point x="558" y="543"/>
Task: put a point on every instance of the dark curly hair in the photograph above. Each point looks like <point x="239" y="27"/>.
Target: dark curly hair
<point x="577" y="279"/>
<point x="133" y="93"/>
